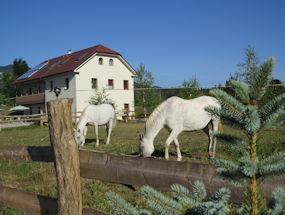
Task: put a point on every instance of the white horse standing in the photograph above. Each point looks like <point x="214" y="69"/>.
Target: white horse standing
<point x="179" y="115"/>
<point x="96" y="115"/>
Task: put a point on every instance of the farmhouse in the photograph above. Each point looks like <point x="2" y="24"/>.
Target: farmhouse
<point x="78" y="75"/>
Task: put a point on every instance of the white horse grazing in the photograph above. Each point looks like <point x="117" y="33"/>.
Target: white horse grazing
<point x="179" y="115"/>
<point x="96" y="115"/>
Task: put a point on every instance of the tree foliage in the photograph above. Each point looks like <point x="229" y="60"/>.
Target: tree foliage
<point x="244" y="110"/>
<point x="145" y="94"/>
<point x="101" y="97"/>
<point x="246" y="68"/>
<point x="190" y="89"/>
<point x="180" y="201"/>
<point x="20" y="66"/>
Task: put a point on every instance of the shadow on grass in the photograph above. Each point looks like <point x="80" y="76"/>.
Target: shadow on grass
<point x="160" y="154"/>
<point x="93" y="141"/>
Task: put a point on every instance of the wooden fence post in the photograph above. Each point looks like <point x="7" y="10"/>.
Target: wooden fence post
<point x="42" y="118"/>
<point x="66" y="157"/>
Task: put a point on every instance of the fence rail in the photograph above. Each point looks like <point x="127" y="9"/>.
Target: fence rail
<point x="34" y="204"/>
<point x="137" y="171"/>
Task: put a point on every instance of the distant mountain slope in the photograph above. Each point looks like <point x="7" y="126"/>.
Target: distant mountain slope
<point x="6" y="68"/>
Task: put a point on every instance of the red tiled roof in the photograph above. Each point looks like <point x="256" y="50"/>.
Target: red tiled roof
<point x="67" y="62"/>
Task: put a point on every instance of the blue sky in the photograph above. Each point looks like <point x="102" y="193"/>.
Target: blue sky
<point x="176" y="40"/>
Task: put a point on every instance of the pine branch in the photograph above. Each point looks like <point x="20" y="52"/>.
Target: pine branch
<point x="209" y="208"/>
<point x="180" y="190"/>
<point x="229" y="169"/>
<point x="215" y="205"/>
<point x="260" y="80"/>
<point x="277" y="202"/>
<point x="159" y="202"/>
<point x="228" y="102"/>
<point x="241" y="89"/>
<point x="277" y="169"/>
<point x="222" y="195"/>
<point x="226" y="116"/>
<point x="275" y="118"/>
<point x="273" y="159"/>
<point x="236" y="144"/>
<point x="271" y="107"/>
<point x="247" y="167"/>
<point x="199" y="191"/>
<point x="182" y="195"/>
<point x="252" y="121"/>
<point x="120" y="205"/>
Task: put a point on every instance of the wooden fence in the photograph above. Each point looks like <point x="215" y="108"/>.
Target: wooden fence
<point x="43" y="118"/>
<point x="121" y="169"/>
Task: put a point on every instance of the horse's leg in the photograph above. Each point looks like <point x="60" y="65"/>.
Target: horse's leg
<point x="207" y="130"/>
<point x="84" y="134"/>
<point x="109" y="130"/>
<point x="173" y="135"/>
<point x="179" y="157"/>
<point x="215" y="129"/>
<point x="96" y="133"/>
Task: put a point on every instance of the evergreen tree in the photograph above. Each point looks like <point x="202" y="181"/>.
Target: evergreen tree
<point x="245" y="111"/>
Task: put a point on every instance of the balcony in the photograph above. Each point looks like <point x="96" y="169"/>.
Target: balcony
<point x="30" y="99"/>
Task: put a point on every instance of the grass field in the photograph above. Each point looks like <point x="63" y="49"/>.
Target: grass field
<point x="40" y="177"/>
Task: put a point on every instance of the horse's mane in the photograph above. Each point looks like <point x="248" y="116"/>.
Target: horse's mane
<point x="156" y="117"/>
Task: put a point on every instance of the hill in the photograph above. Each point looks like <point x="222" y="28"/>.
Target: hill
<point x="7" y="68"/>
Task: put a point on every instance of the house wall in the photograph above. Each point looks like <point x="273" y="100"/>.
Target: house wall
<point x="118" y="72"/>
<point x="59" y="81"/>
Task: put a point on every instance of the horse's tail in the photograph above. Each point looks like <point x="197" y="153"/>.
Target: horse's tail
<point x="114" y="120"/>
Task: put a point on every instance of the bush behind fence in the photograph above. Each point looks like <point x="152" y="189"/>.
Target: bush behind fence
<point x="146" y="99"/>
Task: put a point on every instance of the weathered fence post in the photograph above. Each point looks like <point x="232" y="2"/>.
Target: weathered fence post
<point x="66" y="157"/>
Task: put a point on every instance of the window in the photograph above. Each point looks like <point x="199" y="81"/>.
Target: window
<point x="39" y="110"/>
<point x="94" y="83"/>
<point x="30" y="91"/>
<point x="126" y="84"/>
<point x="111" y="62"/>
<point x="100" y="61"/>
<point x="67" y="83"/>
<point x="51" y="86"/>
<point x="111" y="84"/>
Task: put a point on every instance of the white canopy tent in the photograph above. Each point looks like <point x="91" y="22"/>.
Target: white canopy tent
<point x="19" y="108"/>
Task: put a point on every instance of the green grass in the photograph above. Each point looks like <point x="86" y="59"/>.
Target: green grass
<point x="40" y="177"/>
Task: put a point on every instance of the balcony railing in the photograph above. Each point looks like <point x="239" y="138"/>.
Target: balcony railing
<point x="30" y="99"/>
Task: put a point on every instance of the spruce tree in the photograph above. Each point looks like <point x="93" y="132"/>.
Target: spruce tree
<point x="244" y="111"/>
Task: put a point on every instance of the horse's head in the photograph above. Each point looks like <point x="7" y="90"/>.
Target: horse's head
<point x="79" y="137"/>
<point x="146" y="147"/>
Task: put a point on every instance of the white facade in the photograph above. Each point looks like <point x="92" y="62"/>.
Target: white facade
<point x="119" y="72"/>
<point x="80" y="83"/>
<point x="60" y="82"/>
